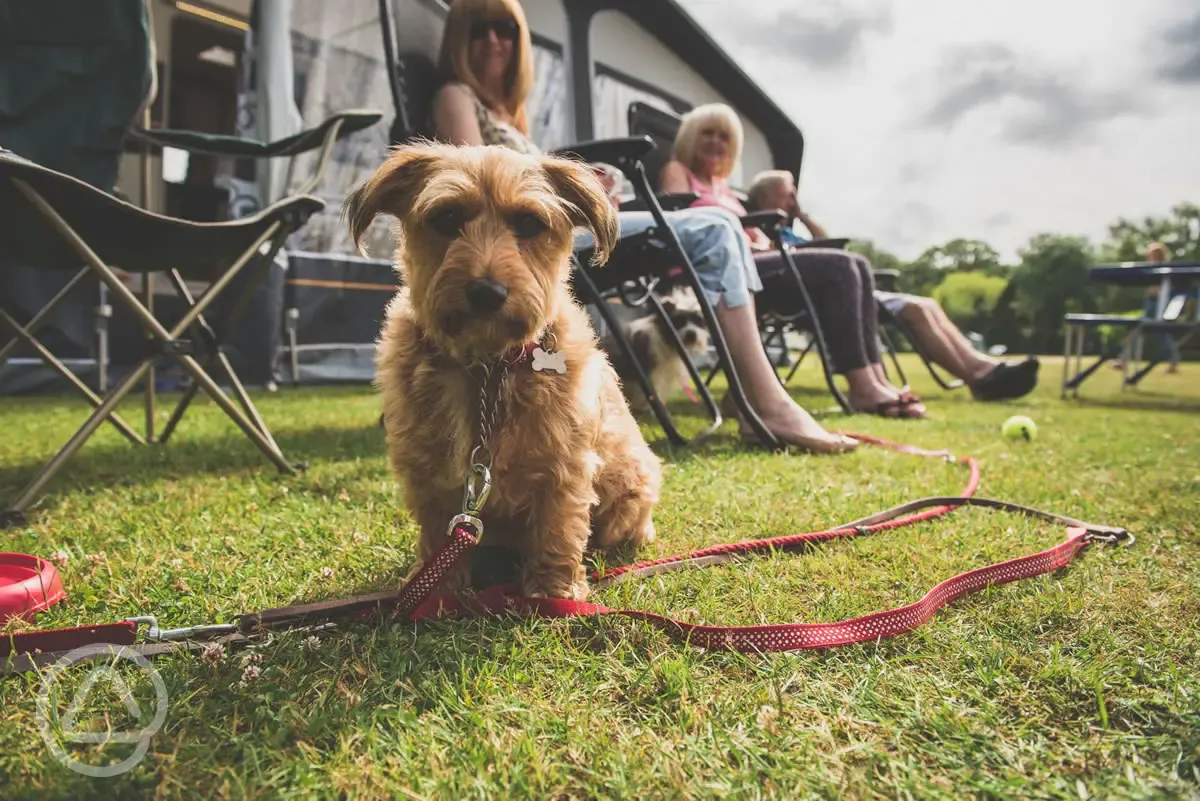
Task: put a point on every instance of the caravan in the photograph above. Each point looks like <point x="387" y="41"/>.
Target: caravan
<point x="605" y="68"/>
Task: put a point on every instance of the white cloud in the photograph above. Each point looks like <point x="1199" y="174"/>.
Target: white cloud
<point x="875" y="168"/>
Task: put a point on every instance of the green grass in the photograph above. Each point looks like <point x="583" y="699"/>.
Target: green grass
<point x="1081" y="684"/>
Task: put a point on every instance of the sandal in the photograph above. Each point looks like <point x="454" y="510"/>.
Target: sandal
<point x="843" y="443"/>
<point x="899" y="405"/>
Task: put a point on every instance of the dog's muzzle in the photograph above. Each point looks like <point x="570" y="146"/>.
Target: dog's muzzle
<point x="486" y="296"/>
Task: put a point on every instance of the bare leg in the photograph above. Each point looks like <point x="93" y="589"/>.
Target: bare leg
<point x="944" y="343"/>
<point x="782" y="416"/>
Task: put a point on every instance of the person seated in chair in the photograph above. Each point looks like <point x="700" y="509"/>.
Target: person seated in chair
<point x="988" y="378"/>
<point x="708" y="146"/>
<point x="486" y="62"/>
<point x="1159" y="253"/>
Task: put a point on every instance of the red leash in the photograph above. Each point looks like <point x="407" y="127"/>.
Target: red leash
<point x="418" y="599"/>
<point x="420" y="604"/>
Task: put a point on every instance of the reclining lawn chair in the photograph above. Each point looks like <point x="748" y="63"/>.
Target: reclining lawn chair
<point x="784" y="304"/>
<point x="635" y="266"/>
<point x="54" y="221"/>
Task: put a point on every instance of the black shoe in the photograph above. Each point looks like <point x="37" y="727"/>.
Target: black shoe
<point x="1007" y="381"/>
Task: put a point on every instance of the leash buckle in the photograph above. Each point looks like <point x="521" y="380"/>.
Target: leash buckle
<point x="155" y="634"/>
<point x="468" y="521"/>
<point x="1119" y="536"/>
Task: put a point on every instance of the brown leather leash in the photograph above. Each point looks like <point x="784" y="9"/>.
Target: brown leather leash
<point x="419" y="600"/>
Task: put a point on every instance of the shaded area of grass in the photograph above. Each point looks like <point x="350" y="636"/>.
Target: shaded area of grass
<point x="1080" y="684"/>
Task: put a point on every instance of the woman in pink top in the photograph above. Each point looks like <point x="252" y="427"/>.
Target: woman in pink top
<point x="707" y="148"/>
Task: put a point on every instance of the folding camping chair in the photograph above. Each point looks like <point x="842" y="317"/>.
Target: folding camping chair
<point x="636" y="265"/>
<point x="54" y="221"/>
<point x="788" y="308"/>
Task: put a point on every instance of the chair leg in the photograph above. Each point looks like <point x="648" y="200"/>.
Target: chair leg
<point x="66" y="373"/>
<point x="807" y="348"/>
<point x="920" y="351"/>
<point x="103" y="315"/>
<point x="1068" y="340"/>
<point x="818" y="334"/>
<point x="43" y="314"/>
<point x="216" y="357"/>
<point x="16" y="511"/>
<point x="891" y="349"/>
<point x="714" y="411"/>
<point x="148" y="303"/>
<point x="293" y="318"/>
<point x="646" y="192"/>
<point x="656" y="405"/>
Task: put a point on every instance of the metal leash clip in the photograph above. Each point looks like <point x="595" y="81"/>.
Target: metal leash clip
<point x="475" y="493"/>
<point x="1120" y="537"/>
<point x="155" y="634"/>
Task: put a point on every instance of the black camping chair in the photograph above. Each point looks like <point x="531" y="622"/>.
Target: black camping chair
<point x="886" y="280"/>
<point x="54" y="221"/>
<point x="784" y="304"/>
<point x="636" y="264"/>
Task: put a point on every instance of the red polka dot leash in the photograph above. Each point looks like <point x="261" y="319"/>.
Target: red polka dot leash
<point x="420" y="598"/>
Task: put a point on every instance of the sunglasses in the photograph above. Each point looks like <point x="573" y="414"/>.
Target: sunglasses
<point x="503" y="28"/>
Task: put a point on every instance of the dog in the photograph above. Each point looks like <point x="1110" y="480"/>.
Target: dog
<point x="649" y="338"/>
<point x="486" y="357"/>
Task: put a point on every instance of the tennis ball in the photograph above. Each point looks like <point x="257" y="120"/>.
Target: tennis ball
<point x="1019" y="427"/>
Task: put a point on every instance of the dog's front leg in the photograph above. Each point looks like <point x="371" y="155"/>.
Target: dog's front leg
<point x="557" y="538"/>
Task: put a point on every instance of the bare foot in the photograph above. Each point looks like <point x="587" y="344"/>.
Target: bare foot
<point x="792" y="425"/>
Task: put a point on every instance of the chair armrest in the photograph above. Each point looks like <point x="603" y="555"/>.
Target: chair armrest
<point x="829" y="244"/>
<point x="218" y="145"/>
<point x="769" y="221"/>
<point x="886" y="279"/>
<point x="623" y="152"/>
<point x="668" y="201"/>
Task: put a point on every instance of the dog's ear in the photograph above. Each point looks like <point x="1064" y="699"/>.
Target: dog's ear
<point x="392" y="188"/>
<point x="587" y="203"/>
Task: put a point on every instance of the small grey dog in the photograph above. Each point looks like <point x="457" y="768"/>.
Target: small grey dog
<point x="651" y="343"/>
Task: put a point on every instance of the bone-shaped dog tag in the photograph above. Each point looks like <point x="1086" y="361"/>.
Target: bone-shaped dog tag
<point x="556" y="361"/>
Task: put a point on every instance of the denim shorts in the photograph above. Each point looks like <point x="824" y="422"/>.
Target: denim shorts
<point x="713" y="240"/>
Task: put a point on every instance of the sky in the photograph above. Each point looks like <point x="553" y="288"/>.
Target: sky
<point x="927" y="120"/>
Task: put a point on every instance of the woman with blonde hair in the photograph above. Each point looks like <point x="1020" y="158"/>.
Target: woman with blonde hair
<point x="487" y="65"/>
<point x="708" y="147"/>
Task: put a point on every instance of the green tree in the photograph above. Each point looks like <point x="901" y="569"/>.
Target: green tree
<point x="968" y="298"/>
<point x="1180" y="231"/>
<point x="965" y="255"/>
<point x="1051" y="281"/>
<point x="925" y="272"/>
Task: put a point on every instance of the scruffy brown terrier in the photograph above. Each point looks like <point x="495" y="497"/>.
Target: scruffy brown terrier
<point x="486" y="348"/>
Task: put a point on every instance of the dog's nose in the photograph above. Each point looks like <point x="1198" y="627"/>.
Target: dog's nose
<point x="689" y="337"/>
<point x="486" y="296"/>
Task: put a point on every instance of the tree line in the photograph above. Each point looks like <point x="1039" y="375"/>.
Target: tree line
<point x="1021" y="305"/>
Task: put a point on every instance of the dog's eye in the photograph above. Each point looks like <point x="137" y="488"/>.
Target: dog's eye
<point x="448" y="222"/>
<point x="527" y="226"/>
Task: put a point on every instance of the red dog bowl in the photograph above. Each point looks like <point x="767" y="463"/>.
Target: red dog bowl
<point x="28" y="585"/>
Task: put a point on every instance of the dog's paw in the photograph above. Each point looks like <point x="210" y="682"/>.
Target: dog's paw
<point x="645" y="536"/>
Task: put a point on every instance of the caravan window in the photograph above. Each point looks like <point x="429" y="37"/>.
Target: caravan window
<point x="613" y="94"/>
<point x="547" y="104"/>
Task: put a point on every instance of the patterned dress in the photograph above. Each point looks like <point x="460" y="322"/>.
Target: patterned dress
<point x="497" y="132"/>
